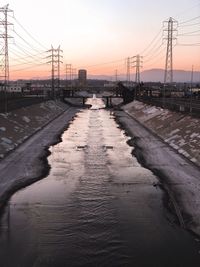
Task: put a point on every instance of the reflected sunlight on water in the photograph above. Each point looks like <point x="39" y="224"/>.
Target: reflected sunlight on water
<point x="97" y="207"/>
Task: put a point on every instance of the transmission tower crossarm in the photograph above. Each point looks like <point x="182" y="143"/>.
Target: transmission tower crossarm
<point x="4" y="57"/>
<point x="55" y="69"/>
<point x="137" y="64"/>
<point x="171" y="28"/>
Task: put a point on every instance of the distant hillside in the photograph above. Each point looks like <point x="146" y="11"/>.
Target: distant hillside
<point x="100" y="77"/>
<point x="152" y="75"/>
<point x="155" y="75"/>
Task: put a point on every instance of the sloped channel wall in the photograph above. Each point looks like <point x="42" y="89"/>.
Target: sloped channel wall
<point x="180" y="131"/>
<point x="18" y="125"/>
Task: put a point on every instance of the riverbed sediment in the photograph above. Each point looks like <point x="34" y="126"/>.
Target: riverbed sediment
<point x="20" y="124"/>
<point x="28" y="162"/>
<point x="97" y="206"/>
<point x="179" y="177"/>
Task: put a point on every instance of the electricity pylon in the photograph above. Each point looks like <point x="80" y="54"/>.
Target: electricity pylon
<point x="59" y="56"/>
<point x="74" y="74"/>
<point x="55" y="60"/>
<point x="170" y="27"/>
<point x="137" y="64"/>
<point x="68" y="75"/>
<point x="4" y="58"/>
<point x="116" y="76"/>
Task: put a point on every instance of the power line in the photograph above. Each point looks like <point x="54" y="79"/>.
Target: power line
<point x="154" y="62"/>
<point x="19" y="56"/>
<point x="27" y="32"/>
<point x="151" y="43"/>
<point x="158" y="59"/>
<point x="110" y="67"/>
<point x="101" y="64"/>
<point x="189" y="25"/>
<point x="186" y="10"/>
<point x="24" y="63"/>
<point x="22" y="51"/>
<point x="154" y="56"/>
<point x="24" y="58"/>
<point x="26" y="42"/>
<point x="186" y="21"/>
<point x="30" y="67"/>
<point x="194" y="44"/>
<point x="188" y="33"/>
<point x="25" y="51"/>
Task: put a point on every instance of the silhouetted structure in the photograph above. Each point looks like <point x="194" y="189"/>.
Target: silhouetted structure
<point x="126" y="93"/>
<point x="82" y="77"/>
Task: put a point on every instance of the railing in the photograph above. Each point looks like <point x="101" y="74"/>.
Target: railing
<point x="13" y="102"/>
<point x="188" y="105"/>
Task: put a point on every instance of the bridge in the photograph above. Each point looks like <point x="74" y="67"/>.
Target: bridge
<point x="107" y="93"/>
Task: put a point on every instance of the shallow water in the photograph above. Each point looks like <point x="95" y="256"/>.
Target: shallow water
<point x="97" y="207"/>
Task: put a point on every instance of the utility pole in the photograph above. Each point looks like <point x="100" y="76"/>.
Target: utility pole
<point x="192" y="76"/>
<point x="191" y="85"/>
<point x="74" y="75"/>
<point x="128" y="71"/>
<point x="52" y="73"/>
<point x="55" y="60"/>
<point x="68" y="74"/>
<point x="116" y="75"/>
<point x="170" y="27"/>
<point x="4" y="58"/>
<point x="59" y="56"/>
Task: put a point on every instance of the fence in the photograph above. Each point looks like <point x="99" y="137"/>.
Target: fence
<point x="187" y="105"/>
<point x="12" y="101"/>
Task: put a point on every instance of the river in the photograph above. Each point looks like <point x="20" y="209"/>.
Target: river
<point x="97" y="207"/>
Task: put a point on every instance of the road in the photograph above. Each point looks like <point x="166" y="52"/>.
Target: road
<point x="97" y="207"/>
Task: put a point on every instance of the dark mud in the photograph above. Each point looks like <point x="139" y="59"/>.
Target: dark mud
<point x="97" y="207"/>
<point x="179" y="216"/>
<point x="42" y="165"/>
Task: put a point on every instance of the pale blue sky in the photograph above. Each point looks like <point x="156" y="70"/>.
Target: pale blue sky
<point x="93" y="31"/>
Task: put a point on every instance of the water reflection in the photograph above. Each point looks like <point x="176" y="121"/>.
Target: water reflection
<point x="97" y="207"/>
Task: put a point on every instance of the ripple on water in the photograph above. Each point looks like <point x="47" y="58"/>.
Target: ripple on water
<point x="97" y="207"/>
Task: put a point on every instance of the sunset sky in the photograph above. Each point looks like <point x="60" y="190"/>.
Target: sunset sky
<point x="94" y="33"/>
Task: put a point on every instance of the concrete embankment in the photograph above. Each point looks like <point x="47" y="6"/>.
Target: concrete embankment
<point x="35" y="128"/>
<point x="178" y="176"/>
<point x="20" y="124"/>
<point x="179" y="130"/>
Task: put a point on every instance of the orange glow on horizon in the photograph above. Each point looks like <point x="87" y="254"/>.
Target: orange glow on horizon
<point x="91" y="33"/>
<point x="183" y="59"/>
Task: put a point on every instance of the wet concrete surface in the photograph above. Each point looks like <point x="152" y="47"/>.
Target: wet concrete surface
<point x="97" y="207"/>
<point x="178" y="175"/>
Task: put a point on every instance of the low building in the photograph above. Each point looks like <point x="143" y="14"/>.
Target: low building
<point x="14" y="89"/>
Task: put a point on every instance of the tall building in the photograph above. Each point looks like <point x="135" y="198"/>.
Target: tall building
<point x="82" y="77"/>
